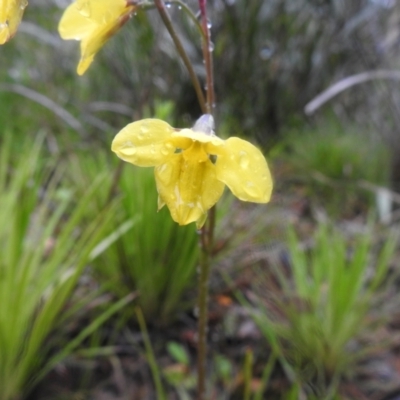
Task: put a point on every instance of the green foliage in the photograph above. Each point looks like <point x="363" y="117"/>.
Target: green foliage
<point x="155" y="370"/>
<point x="155" y="257"/>
<point x="179" y="375"/>
<point x="178" y="352"/>
<point x="44" y="247"/>
<point x="339" y="153"/>
<point x="335" y="162"/>
<point x="323" y="307"/>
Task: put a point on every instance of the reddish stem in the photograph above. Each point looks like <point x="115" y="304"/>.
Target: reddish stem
<point x="207" y="54"/>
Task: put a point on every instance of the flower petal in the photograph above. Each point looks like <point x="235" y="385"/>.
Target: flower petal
<point x="242" y="167"/>
<point x="93" y="22"/>
<point x="11" y="12"/>
<point x="144" y="143"/>
<point x="74" y="24"/>
<point x="198" y="136"/>
<point x="188" y="187"/>
<point x="82" y="17"/>
<point x="84" y="63"/>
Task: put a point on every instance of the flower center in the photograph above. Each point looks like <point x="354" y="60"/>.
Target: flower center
<point x="196" y="152"/>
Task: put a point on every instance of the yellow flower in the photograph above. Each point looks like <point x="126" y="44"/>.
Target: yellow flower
<point x="11" y="12"/>
<point x="93" y="22"/>
<point x="192" y="166"/>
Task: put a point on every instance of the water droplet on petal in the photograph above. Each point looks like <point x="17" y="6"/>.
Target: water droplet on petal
<point x="83" y="7"/>
<point x="143" y="130"/>
<point x="211" y="47"/>
<point x="129" y="151"/>
<point x="209" y="24"/>
<point x="177" y="195"/>
<point x="251" y="189"/>
<point x="244" y="160"/>
<point x="199" y="206"/>
<point x="107" y="17"/>
<point x="164" y="173"/>
<point x="167" y="149"/>
<point x="168" y="5"/>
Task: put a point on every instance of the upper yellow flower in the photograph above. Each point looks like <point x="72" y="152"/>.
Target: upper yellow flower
<point x="93" y="22"/>
<point x="11" y="12"/>
<point x="192" y="166"/>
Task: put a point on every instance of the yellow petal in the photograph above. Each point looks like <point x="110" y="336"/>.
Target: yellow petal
<point x="74" y="24"/>
<point x="4" y="34"/>
<point x="82" y="17"/>
<point x="144" y="143"/>
<point x="11" y="12"/>
<point x="84" y="64"/>
<point x="199" y="136"/>
<point x="93" y="22"/>
<point x="188" y="187"/>
<point x="242" y="167"/>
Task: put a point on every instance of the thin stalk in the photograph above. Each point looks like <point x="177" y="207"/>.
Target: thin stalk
<point x="247" y="370"/>
<point x="115" y="181"/>
<point x="155" y="370"/>
<point x="207" y="54"/>
<point x="182" y="5"/>
<point x="191" y="15"/>
<point x="206" y="249"/>
<point x="207" y="232"/>
<point x="179" y="47"/>
<point x="204" y="275"/>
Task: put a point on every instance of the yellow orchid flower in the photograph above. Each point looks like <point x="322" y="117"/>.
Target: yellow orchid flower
<point x="11" y="12"/>
<point x="93" y="22"/>
<point x="192" y="166"/>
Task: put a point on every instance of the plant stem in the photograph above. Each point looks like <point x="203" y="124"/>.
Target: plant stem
<point x="207" y="54"/>
<point x="206" y="247"/>
<point x="179" y="47"/>
<point x="190" y="14"/>
<point x="115" y="181"/>
<point x="182" y="5"/>
<point x="207" y="232"/>
<point x="202" y="306"/>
